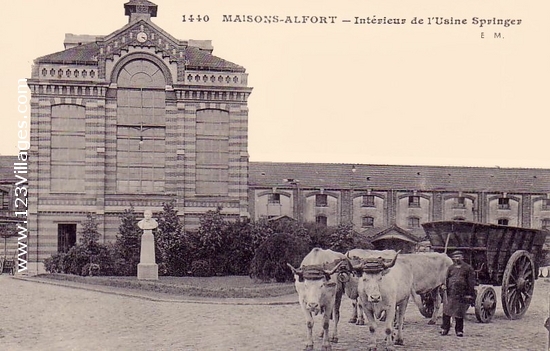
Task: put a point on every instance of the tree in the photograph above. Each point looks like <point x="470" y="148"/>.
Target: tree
<point x="128" y="243"/>
<point x="342" y="238"/>
<point x="173" y="253"/>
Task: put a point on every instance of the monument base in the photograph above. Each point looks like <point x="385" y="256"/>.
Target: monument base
<point x="148" y="271"/>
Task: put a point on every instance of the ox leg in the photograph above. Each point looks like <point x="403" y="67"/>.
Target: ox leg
<point x="360" y="314"/>
<point x="336" y="316"/>
<point x="354" y="314"/>
<point x="372" y="329"/>
<point x="437" y="305"/>
<point x="326" y="343"/>
<point x="400" y="318"/>
<point x="391" y="313"/>
<point x="309" y="324"/>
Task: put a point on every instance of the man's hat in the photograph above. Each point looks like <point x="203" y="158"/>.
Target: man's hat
<point x="457" y="253"/>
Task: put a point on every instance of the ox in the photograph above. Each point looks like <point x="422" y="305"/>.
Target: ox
<point x="384" y="287"/>
<point x="319" y="291"/>
<point x="350" y="286"/>
<point x="429" y="271"/>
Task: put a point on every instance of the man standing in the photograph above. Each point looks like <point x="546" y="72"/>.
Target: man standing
<point x="460" y="285"/>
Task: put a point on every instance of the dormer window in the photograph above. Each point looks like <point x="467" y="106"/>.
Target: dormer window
<point x="368" y="201"/>
<point x="414" y="201"/>
<point x="460" y="202"/>
<point x="321" y="200"/>
<point x="274" y="199"/>
<point x="503" y="203"/>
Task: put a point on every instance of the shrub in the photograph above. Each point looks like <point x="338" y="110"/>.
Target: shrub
<point x="201" y="268"/>
<point x="55" y="263"/>
<point x="269" y="262"/>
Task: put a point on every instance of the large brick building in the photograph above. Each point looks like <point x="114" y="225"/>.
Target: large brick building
<point x="133" y="117"/>
<point x="138" y="117"/>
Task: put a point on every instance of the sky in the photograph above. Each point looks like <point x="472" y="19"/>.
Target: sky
<point x="410" y="94"/>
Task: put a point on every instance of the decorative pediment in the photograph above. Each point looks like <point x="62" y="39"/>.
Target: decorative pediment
<point x="143" y="34"/>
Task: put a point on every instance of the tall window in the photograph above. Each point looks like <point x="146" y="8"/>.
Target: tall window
<point x="141" y="128"/>
<point x="321" y="200"/>
<point x="368" y="201"/>
<point x="414" y="201"/>
<point x="4" y="200"/>
<point x="212" y="152"/>
<point x="503" y="203"/>
<point x="66" y="237"/>
<point x="68" y="148"/>
<point x="321" y="219"/>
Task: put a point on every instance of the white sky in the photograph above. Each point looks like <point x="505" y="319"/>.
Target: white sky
<point x="343" y="93"/>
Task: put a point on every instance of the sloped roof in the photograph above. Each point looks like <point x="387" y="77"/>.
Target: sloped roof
<point x="82" y="54"/>
<point x="378" y="233"/>
<point x="385" y="177"/>
<point x="88" y="54"/>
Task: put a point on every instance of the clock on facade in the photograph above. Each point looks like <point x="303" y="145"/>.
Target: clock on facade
<point x="141" y="37"/>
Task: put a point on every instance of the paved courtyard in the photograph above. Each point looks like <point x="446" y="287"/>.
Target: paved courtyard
<point x="38" y="316"/>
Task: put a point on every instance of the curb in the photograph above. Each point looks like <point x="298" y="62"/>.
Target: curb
<point x="160" y="297"/>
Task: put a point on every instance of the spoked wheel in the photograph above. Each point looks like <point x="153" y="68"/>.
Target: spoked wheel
<point x="518" y="284"/>
<point x="428" y="302"/>
<point x="486" y="304"/>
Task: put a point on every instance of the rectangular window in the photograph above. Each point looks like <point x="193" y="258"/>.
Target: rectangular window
<point x="414" y="201"/>
<point x="212" y="152"/>
<point x="367" y="222"/>
<point x="322" y="220"/>
<point x="68" y="148"/>
<point x="274" y="199"/>
<point x="460" y="202"/>
<point x="503" y="203"/>
<point x="321" y="200"/>
<point x="368" y="201"/>
<point x="546" y="224"/>
<point x="414" y="222"/>
<point x="4" y="200"/>
<point x="66" y="237"/>
<point x="503" y="221"/>
<point x="546" y="204"/>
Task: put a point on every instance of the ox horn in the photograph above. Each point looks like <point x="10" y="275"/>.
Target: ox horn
<point x="296" y="271"/>
<point x="331" y="272"/>
<point x="392" y="263"/>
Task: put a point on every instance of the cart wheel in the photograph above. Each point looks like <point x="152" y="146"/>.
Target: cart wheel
<point x="518" y="284"/>
<point x="428" y="301"/>
<point x="486" y="304"/>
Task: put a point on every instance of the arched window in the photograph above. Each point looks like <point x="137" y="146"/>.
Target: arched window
<point x="140" y="128"/>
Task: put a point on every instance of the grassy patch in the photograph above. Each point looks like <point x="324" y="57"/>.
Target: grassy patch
<point x="217" y="287"/>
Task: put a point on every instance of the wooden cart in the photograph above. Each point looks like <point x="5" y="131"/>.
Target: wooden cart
<point x="501" y="255"/>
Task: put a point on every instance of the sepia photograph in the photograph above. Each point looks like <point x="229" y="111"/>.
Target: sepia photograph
<point x="279" y="175"/>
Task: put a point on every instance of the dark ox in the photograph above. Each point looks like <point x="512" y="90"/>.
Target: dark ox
<point x="319" y="291"/>
<point x="384" y="286"/>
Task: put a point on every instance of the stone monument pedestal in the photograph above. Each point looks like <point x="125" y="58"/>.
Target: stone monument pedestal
<point x="147" y="268"/>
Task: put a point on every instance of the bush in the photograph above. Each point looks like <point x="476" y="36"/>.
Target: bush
<point x="201" y="268"/>
<point x="271" y="258"/>
<point x="55" y="263"/>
